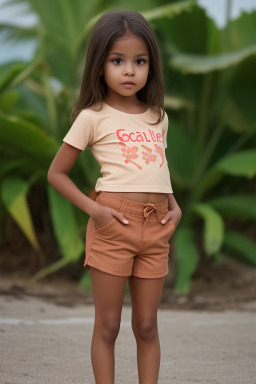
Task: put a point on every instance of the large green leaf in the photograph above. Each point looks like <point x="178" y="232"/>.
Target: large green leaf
<point x="176" y="103"/>
<point x="241" y="31"/>
<point x="16" y="33"/>
<point x="187" y="257"/>
<point x="204" y="64"/>
<point x="168" y="10"/>
<point x="13" y="166"/>
<point x="8" y="78"/>
<point x="187" y="32"/>
<point x="32" y="106"/>
<point x="13" y="192"/>
<point x="239" y="164"/>
<point x="242" y="92"/>
<point x="242" y="163"/>
<point x="234" y="116"/>
<point x="182" y="167"/>
<point x="27" y="138"/>
<point x="65" y="226"/>
<point x="8" y="100"/>
<point x="240" y="247"/>
<point x="58" y="32"/>
<point x="165" y="11"/>
<point x="213" y="229"/>
<point x="85" y="281"/>
<point x="242" y="207"/>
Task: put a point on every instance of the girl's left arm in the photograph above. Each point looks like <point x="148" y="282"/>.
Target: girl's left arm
<point x="174" y="212"/>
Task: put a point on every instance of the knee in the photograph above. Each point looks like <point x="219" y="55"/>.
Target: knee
<point x="110" y="330"/>
<point x="145" y="329"/>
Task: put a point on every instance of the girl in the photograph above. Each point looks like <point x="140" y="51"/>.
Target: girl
<point x="119" y="115"/>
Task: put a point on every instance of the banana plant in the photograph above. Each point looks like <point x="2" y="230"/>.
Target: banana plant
<point x="32" y="151"/>
<point x="211" y="144"/>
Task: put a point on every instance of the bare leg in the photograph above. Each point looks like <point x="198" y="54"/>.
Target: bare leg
<point x="146" y="295"/>
<point x="108" y="293"/>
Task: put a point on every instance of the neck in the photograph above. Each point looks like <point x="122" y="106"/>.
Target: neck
<point x="126" y="104"/>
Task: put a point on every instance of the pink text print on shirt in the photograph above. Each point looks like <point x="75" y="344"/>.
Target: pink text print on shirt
<point x="130" y="153"/>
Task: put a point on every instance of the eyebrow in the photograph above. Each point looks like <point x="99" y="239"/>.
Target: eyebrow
<point x="122" y="54"/>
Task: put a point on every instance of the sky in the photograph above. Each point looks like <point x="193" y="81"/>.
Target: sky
<point x="215" y="9"/>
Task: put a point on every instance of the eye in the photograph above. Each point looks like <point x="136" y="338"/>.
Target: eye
<point x="141" y="61"/>
<point x="117" y="61"/>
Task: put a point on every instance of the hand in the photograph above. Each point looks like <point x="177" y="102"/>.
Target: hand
<point x="174" y="216"/>
<point x="103" y="215"/>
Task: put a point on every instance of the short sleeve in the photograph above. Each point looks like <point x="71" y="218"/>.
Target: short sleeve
<point x="81" y="132"/>
<point x="165" y="129"/>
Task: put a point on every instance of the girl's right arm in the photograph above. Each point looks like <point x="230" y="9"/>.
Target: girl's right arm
<point x="59" y="179"/>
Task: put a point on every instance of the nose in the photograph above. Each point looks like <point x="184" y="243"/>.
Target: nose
<point x="129" y="69"/>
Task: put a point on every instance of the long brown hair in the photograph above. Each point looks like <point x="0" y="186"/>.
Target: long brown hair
<point x="112" y="26"/>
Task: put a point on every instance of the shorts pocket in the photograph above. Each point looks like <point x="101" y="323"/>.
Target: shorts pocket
<point x="90" y="232"/>
<point x="171" y="226"/>
<point x="106" y="227"/>
<point x="168" y="227"/>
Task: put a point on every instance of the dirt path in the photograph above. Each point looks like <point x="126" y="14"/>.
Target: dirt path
<point x="42" y="343"/>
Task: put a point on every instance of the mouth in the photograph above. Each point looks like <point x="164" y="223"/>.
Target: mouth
<point x="128" y="84"/>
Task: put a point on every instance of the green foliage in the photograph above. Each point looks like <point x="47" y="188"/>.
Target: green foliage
<point x="187" y="257"/>
<point x="204" y="64"/>
<point x="214" y="228"/>
<point x="85" y="281"/>
<point x="28" y="139"/>
<point x="212" y="132"/>
<point x="64" y="225"/>
<point x="241" y="247"/>
<point x="8" y="78"/>
<point x="13" y="193"/>
<point x="242" y="207"/>
<point x="239" y="164"/>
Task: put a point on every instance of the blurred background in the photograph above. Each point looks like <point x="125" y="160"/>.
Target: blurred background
<point x="209" y="59"/>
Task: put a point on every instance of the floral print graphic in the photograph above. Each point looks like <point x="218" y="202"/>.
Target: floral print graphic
<point x="160" y="151"/>
<point x="148" y="156"/>
<point x="130" y="153"/>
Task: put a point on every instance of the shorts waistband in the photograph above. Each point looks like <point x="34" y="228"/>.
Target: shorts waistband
<point x="124" y="205"/>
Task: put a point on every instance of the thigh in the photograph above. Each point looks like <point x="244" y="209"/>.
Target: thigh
<point x="145" y="296"/>
<point x="108" y="294"/>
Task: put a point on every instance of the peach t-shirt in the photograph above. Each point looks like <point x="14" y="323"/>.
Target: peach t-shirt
<point x="130" y="151"/>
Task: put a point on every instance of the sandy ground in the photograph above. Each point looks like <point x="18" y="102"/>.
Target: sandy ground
<point x="42" y="342"/>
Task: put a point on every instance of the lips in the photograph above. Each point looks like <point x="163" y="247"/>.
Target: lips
<point x="128" y="84"/>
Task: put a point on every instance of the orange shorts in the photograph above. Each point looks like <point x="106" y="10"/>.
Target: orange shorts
<point x="140" y="248"/>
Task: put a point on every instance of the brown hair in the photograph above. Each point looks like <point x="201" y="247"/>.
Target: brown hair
<point x="112" y="26"/>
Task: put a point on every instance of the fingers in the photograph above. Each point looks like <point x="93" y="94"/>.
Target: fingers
<point x="165" y="219"/>
<point x="120" y="217"/>
<point x="168" y="217"/>
<point x="172" y="216"/>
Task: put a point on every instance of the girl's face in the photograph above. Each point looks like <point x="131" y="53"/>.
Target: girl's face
<point x="126" y="67"/>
